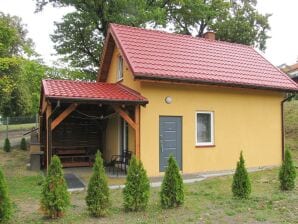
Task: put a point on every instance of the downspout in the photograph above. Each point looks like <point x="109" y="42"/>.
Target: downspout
<point x="49" y="131"/>
<point x="282" y="124"/>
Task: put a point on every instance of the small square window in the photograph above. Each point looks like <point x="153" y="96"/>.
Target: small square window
<point x="204" y="128"/>
<point x="120" y="68"/>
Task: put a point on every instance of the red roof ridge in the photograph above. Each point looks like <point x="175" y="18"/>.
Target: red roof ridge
<point x="150" y="29"/>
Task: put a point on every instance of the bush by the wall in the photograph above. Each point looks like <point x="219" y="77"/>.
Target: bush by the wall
<point x="172" y="189"/>
<point x="5" y="205"/>
<point x="23" y="144"/>
<point x="241" y="186"/>
<point x="55" y="197"/>
<point x="287" y="172"/>
<point x="97" y="198"/>
<point x="137" y="188"/>
<point x="7" y="146"/>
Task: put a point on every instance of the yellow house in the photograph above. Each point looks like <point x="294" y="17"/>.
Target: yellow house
<point x="200" y="99"/>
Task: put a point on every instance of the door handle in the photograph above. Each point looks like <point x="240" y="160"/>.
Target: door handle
<point x="161" y="143"/>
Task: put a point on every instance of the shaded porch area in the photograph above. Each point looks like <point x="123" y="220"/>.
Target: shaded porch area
<point x="79" y="118"/>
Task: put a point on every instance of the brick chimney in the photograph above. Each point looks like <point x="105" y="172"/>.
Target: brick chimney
<point x="209" y="35"/>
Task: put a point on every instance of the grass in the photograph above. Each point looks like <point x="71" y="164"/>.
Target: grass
<point x="209" y="201"/>
<point x="16" y="127"/>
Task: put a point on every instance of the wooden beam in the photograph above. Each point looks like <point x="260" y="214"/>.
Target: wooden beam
<point x="44" y="105"/>
<point x="48" y="113"/>
<point x="63" y="115"/>
<point x="125" y="116"/>
<point x="137" y="131"/>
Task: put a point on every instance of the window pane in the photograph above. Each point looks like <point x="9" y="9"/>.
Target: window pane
<point x="203" y="128"/>
<point x="120" y="68"/>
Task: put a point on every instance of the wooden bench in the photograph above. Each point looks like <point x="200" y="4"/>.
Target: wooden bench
<point x="73" y="156"/>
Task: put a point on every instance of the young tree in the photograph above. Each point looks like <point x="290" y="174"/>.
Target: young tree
<point x="137" y="188"/>
<point x="55" y="197"/>
<point x="7" y="146"/>
<point x="287" y="172"/>
<point x="23" y="144"/>
<point x="172" y="189"/>
<point x="5" y="205"/>
<point x="97" y="198"/>
<point x="241" y="186"/>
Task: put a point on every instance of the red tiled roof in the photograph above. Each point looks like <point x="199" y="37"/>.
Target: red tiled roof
<point x="66" y="89"/>
<point x="165" y="56"/>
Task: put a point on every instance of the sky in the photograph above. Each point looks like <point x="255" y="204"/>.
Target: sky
<point x="282" y="47"/>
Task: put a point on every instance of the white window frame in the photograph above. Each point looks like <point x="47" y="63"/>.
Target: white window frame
<point x="120" y="68"/>
<point x="211" y="143"/>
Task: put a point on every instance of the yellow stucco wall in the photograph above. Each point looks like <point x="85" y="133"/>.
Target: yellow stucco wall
<point x="248" y="120"/>
<point x="112" y="138"/>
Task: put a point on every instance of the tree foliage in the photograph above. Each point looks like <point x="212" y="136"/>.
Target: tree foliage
<point x="137" y="188"/>
<point x="55" y="197"/>
<point x="287" y="172"/>
<point x="23" y="144"/>
<point x="172" y="189"/>
<point x="5" y="204"/>
<point x="20" y="71"/>
<point x="97" y="198"/>
<point x="241" y="186"/>
<point x="79" y="37"/>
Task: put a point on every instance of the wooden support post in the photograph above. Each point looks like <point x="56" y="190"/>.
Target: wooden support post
<point x="48" y="113"/>
<point x="43" y="105"/>
<point x="125" y="116"/>
<point x="137" y="131"/>
<point x="63" y="115"/>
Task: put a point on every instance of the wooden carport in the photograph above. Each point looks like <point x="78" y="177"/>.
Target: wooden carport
<point x="61" y="98"/>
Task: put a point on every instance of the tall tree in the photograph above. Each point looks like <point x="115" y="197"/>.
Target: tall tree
<point x="20" y="72"/>
<point x="244" y="25"/>
<point x="79" y="37"/>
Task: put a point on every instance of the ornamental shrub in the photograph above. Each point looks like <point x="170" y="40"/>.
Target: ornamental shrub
<point x="55" y="197"/>
<point x="241" y="186"/>
<point x="97" y="198"/>
<point x="287" y="172"/>
<point x="7" y="146"/>
<point x="23" y="144"/>
<point x="5" y="205"/>
<point x="172" y="189"/>
<point x="137" y="188"/>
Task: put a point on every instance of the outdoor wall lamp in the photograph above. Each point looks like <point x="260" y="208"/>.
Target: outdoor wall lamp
<point x="168" y="99"/>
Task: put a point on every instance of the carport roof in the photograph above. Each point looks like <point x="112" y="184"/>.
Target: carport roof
<point x="96" y="91"/>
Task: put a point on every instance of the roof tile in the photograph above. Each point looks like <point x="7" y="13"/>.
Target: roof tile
<point x="67" y="89"/>
<point x="157" y="54"/>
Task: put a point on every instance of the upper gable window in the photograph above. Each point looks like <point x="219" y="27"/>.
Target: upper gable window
<point x="120" y="68"/>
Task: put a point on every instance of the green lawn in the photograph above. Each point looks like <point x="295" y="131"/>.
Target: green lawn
<point x="16" y="127"/>
<point x="209" y="201"/>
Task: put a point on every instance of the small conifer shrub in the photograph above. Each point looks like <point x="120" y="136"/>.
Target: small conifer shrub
<point x="7" y="146"/>
<point x="23" y="144"/>
<point x="287" y="172"/>
<point x="5" y="205"/>
<point x="241" y="186"/>
<point x="97" y="198"/>
<point x="137" y="187"/>
<point x="172" y="189"/>
<point x="55" y="197"/>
